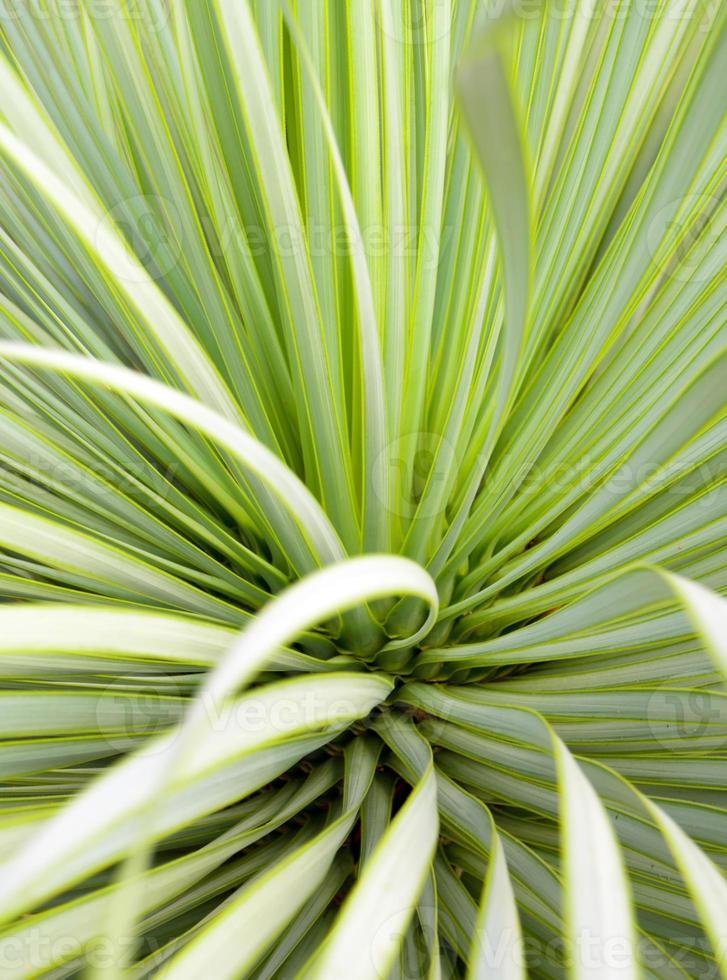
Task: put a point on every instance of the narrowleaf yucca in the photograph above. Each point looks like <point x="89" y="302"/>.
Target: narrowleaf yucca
<point x="362" y="489"/>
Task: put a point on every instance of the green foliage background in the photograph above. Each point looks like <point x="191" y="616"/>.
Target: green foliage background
<point x="362" y="489"/>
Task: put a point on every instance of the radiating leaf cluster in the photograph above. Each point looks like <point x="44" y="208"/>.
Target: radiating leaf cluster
<point x="363" y="512"/>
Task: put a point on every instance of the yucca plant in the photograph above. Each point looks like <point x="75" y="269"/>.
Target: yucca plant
<point x="362" y="489"/>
